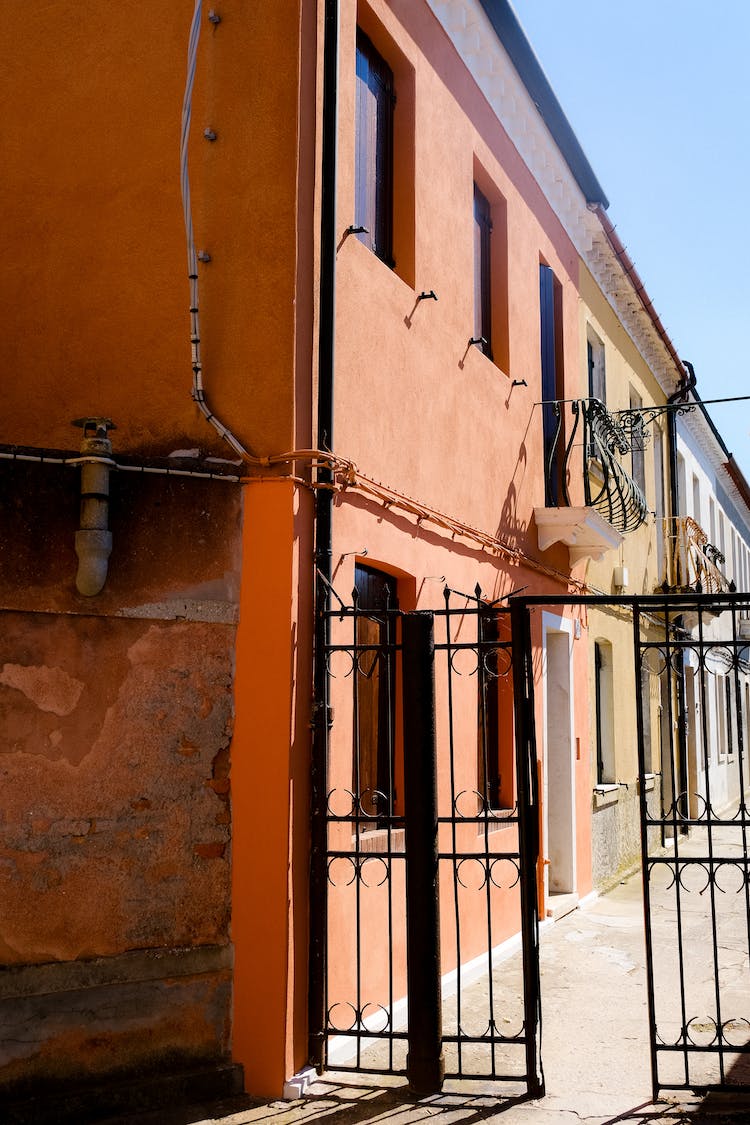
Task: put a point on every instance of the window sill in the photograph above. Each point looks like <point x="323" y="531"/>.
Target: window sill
<point x="497" y="820"/>
<point x="607" y="794"/>
<point x="377" y="841"/>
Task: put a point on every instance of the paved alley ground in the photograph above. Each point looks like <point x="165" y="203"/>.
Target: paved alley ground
<point x="594" y="1040"/>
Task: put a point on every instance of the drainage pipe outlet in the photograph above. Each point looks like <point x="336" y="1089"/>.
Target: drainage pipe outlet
<point x="94" y="539"/>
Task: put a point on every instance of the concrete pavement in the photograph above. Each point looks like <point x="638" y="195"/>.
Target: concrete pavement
<point x="594" y="1043"/>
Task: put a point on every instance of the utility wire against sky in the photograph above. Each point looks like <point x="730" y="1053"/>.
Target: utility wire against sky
<point x="652" y="92"/>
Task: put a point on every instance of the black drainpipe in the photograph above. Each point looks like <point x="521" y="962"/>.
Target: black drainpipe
<point x="680" y="394"/>
<point x="318" y="910"/>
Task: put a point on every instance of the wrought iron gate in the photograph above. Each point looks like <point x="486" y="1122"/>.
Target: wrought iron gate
<point x="427" y="841"/>
<point x="425" y="853"/>
<point x="692" y="652"/>
<point x="696" y="876"/>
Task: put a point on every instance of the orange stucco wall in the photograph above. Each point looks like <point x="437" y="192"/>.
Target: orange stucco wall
<point x="132" y="786"/>
<point x="95" y="268"/>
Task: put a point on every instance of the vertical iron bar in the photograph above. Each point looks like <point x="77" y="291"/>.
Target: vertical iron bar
<point x="712" y="899"/>
<point x="645" y="868"/>
<point x="358" y="825"/>
<point x="454" y="831"/>
<point x="741" y="779"/>
<point x="317" y="968"/>
<point x="674" y="654"/>
<point x="391" y="625"/>
<point x="528" y="838"/>
<point x="710" y="849"/>
<point x="482" y="651"/>
<point x="425" y="1062"/>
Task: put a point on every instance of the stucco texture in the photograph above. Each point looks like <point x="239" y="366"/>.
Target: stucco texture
<point x="114" y="763"/>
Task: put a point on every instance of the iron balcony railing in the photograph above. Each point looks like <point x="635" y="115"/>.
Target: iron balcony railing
<point x="594" y="435"/>
<point x="691" y="563"/>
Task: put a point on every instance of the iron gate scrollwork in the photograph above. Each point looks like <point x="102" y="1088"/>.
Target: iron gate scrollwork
<point x="695" y="847"/>
<point x="691" y="653"/>
<point x="484" y="836"/>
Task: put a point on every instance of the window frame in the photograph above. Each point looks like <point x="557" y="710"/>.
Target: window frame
<point x="482" y="228"/>
<point x="374" y="765"/>
<point x="596" y="365"/>
<point x="373" y="150"/>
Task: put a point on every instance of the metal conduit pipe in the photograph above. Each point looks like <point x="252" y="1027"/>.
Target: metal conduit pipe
<point x="680" y="395"/>
<point x="94" y="539"/>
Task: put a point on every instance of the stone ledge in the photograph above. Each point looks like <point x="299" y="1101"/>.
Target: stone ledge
<point x="124" y="968"/>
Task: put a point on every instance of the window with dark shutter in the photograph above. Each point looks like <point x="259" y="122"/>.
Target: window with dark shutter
<point x="482" y="296"/>
<point x="550" y="322"/>
<point x="596" y="368"/>
<point x="373" y="205"/>
<point x="374" y="761"/>
<point x="638" y="445"/>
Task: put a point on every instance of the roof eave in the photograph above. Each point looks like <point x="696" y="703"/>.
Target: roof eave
<point x="513" y="38"/>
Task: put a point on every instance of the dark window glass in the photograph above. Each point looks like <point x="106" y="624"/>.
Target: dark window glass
<point x="730" y="722"/>
<point x="646" y="699"/>
<point x="373" y="205"/>
<point x="638" y="445"/>
<point x="595" y="362"/>
<point x="495" y="742"/>
<point x="550" y="321"/>
<point x="482" y="297"/>
<point x="489" y="726"/>
<point x="374" y="720"/>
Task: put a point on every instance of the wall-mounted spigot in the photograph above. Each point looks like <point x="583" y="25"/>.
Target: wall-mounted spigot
<point x="94" y="539"/>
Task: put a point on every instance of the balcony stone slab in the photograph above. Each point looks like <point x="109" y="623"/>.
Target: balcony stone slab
<point x="586" y="533"/>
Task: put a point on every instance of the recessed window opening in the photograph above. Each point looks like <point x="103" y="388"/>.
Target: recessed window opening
<point x="482" y="332"/>
<point x="604" y="713"/>
<point x="595" y="364"/>
<point x="730" y="725"/>
<point x="373" y="200"/>
<point x="659" y="500"/>
<point x="494" y="718"/>
<point x="374" y="763"/>
<point x="638" y="442"/>
<point x="648" y="752"/>
<point x="553" y="386"/>
<point x="696" y="500"/>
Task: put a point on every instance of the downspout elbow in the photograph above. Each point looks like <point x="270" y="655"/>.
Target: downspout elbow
<point x="93" y="547"/>
<point x="93" y="541"/>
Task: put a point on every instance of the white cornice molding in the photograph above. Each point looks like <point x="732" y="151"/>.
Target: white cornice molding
<point x="467" y="26"/>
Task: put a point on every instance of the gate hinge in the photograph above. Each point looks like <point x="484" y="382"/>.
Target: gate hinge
<point x="319" y="714"/>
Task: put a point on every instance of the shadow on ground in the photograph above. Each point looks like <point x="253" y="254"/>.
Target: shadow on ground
<point x="345" y="1102"/>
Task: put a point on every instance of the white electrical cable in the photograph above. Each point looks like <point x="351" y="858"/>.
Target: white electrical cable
<point x="195" y="341"/>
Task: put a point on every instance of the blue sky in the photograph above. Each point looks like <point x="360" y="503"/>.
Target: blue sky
<point x="658" y="93"/>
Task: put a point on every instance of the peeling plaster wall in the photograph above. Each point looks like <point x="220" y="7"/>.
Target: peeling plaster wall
<point x="116" y="716"/>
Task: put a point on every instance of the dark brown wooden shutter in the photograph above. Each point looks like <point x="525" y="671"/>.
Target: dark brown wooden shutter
<point x="482" y="298"/>
<point x="373" y="204"/>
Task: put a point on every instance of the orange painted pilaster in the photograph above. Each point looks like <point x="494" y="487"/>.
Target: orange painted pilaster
<point x="262" y="778"/>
